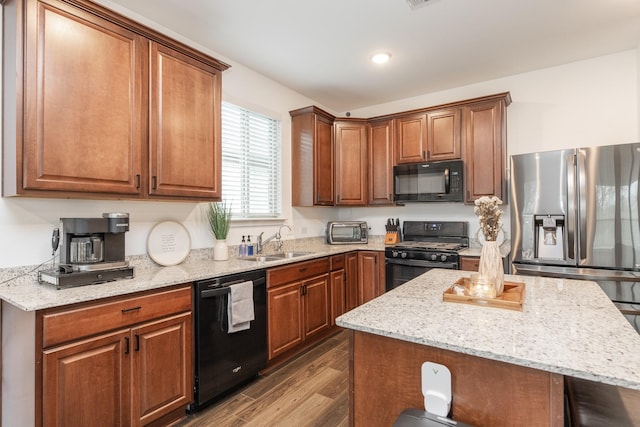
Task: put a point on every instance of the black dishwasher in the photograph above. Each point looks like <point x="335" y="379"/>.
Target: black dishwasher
<point x="224" y="361"/>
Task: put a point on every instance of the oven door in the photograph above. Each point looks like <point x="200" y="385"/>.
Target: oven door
<point x="399" y="271"/>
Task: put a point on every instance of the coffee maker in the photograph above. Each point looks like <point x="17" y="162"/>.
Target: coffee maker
<point x="92" y="251"/>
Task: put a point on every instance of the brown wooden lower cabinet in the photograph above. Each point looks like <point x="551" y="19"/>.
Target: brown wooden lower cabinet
<point x="469" y="263"/>
<point x="304" y="298"/>
<point x="371" y="275"/>
<point x="135" y="368"/>
<point x="338" y="285"/>
<point x="385" y="378"/>
<point x="351" y="271"/>
<point x="298" y="305"/>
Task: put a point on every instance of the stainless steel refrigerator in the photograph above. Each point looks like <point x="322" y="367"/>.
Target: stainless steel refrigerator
<point x="575" y="214"/>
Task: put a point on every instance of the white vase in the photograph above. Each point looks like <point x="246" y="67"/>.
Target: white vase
<point x="221" y="250"/>
<point x="491" y="265"/>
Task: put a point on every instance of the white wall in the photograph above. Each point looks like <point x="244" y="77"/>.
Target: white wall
<point x="585" y="103"/>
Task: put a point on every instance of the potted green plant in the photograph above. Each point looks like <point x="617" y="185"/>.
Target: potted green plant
<point x="219" y="216"/>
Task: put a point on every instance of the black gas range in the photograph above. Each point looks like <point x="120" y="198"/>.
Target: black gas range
<point x="425" y="245"/>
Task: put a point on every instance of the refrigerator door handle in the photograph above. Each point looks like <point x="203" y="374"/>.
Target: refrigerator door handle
<point x="571" y="206"/>
<point x="582" y="206"/>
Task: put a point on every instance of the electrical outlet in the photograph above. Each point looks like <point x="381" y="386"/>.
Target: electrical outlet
<point x="303" y="230"/>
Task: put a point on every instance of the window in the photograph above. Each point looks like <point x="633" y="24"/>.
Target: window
<point x="251" y="182"/>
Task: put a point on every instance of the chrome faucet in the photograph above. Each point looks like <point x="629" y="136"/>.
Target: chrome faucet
<point x="261" y="242"/>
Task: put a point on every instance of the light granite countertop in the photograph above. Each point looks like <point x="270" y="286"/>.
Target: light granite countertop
<point x="568" y="327"/>
<point x="27" y="294"/>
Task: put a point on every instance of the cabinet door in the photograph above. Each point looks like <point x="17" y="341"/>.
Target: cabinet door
<point x="411" y="138"/>
<point x="84" y="103"/>
<point x="162" y="367"/>
<point x="443" y="134"/>
<point x="469" y="263"/>
<point x="86" y="381"/>
<point x="285" y="318"/>
<point x="337" y="279"/>
<point x="316" y="305"/>
<point x="351" y="162"/>
<point x="185" y="135"/>
<point x="351" y="285"/>
<point x="323" y="161"/>
<point x="311" y="148"/>
<point x="484" y="150"/>
<point x="370" y="281"/>
<point x="380" y="153"/>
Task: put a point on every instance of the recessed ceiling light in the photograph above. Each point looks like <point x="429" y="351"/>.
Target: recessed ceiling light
<point x="381" y="58"/>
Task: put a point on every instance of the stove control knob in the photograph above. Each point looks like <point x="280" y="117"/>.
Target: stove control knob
<point x="443" y="257"/>
<point x="434" y="257"/>
<point x="394" y="254"/>
<point x="403" y="254"/>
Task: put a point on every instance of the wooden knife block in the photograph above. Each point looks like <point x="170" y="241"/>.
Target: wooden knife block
<point x="391" y="238"/>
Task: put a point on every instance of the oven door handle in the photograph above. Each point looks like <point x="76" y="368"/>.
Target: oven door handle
<point x="421" y="263"/>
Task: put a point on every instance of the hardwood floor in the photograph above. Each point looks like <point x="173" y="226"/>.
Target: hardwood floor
<point x="310" y="390"/>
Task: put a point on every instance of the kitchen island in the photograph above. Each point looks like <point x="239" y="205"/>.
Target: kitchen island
<point x="507" y="366"/>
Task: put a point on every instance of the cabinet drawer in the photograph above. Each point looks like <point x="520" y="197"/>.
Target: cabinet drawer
<point x="469" y="263"/>
<point x="65" y="325"/>
<point x="298" y="271"/>
<point x="337" y="262"/>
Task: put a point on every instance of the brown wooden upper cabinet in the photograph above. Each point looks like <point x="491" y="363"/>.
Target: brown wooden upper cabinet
<point x="351" y="161"/>
<point x="185" y="142"/>
<point x="359" y="171"/>
<point x="430" y="136"/>
<point x="485" y="148"/>
<point x="105" y="107"/>
<point x="443" y="134"/>
<point x="380" y="154"/>
<point x="312" y="157"/>
<point x="411" y="138"/>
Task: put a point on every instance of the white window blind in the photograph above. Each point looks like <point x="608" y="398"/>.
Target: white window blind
<point x="251" y="181"/>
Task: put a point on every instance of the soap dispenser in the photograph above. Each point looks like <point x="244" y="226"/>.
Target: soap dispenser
<point x="243" y="248"/>
<point x="249" y="246"/>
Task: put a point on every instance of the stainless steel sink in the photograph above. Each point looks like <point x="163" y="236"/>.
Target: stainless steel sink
<point x="275" y="257"/>
<point x="290" y="254"/>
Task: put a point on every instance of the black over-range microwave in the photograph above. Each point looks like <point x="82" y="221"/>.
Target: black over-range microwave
<point x="428" y="182"/>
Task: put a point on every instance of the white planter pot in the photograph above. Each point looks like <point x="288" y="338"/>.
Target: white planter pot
<point x="221" y="251"/>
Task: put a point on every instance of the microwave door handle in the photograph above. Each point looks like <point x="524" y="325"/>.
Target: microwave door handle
<point x="447" y="181"/>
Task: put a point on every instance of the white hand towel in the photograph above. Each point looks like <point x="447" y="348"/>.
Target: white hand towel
<point x="240" y="306"/>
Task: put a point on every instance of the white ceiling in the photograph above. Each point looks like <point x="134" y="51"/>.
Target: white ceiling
<point x="321" y="49"/>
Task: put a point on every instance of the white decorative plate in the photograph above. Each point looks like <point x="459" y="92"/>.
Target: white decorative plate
<point x="169" y="243"/>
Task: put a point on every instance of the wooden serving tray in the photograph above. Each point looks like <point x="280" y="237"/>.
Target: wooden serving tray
<point x="512" y="297"/>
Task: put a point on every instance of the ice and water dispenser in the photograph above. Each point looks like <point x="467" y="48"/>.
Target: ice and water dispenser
<point x="549" y="236"/>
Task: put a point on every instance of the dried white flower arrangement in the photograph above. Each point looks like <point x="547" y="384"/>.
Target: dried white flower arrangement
<point x="490" y="216"/>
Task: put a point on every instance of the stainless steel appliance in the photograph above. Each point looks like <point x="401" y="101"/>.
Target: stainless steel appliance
<point x="347" y="232"/>
<point x="575" y="214"/>
<point x="93" y="251"/>
<point x="425" y="245"/>
<point x="223" y="360"/>
<point x="428" y="182"/>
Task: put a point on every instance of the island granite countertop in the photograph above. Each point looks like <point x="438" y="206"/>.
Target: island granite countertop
<point x="566" y="326"/>
<point x="25" y="293"/>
